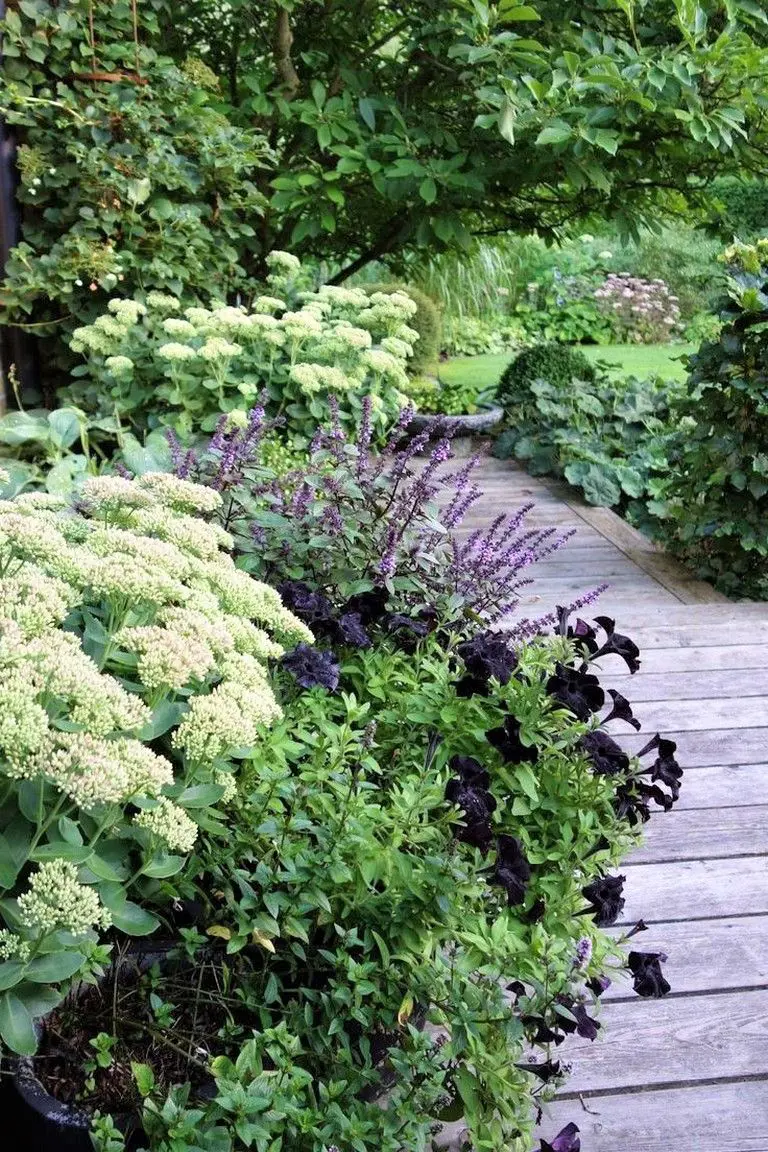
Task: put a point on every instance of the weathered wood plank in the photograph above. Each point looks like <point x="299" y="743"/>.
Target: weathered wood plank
<point x="703" y="955"/>
<point x="677" y="1039"/>
<point x="712" y="1118"/>
<point x="711" y="833"/>
<point x="703" y="715"/>
<point x="696" y="889"/>
<point x="664" y="660"/>
<point x="699" y="615"/>
<point x="699" y="685"/>
<point x="699" y="749"/>
<point x="723" y="785"/>
<point x="749" y="631"/>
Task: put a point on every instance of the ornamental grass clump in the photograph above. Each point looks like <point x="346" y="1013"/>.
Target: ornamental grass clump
<point x="133" y="682"/>
<point x="185" y="365"/>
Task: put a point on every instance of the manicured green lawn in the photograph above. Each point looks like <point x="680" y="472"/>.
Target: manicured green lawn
<point x="629" y="360"/>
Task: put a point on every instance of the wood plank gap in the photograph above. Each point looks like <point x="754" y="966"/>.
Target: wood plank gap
<point x="663" y="1086"/>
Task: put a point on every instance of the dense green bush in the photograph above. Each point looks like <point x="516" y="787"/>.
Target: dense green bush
<point x="425" y="320"/>
<point x="556" y="364"/>
<point x="472" y="336"/>
<point x="125" y="185"/>
<point x="714" y="501"/>
<point x="742" y="205"/>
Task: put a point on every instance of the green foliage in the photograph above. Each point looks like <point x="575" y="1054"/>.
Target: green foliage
<point x="713" y="503"/>
<point x="433" y="395"/>
<point x="425" y="320"/>
<point x="343" y="875"/>
<point x="556" y="364"/>
<point x="607" y="437"/>
<point x="160" y="363"/>
<point x="407" y="128"/>
<point x="472" y="336"/>
<point x="124" y="185"/>
<point x="742" y="206"/>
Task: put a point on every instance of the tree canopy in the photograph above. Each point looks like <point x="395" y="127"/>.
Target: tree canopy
<point x="423" y="122"/>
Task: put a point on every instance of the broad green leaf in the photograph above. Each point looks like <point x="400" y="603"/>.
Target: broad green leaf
<point x="54" y="967"/>
<point x="65" y="424"/>
<point x="11" y="973"/>
<point x="16" y="1027"/>
<point x="555" y="133"/>
<point x="164" y="866"/>
<point x="61" y="850"/>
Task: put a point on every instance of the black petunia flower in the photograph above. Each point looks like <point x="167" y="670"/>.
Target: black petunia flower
<point x="581" y="632"/>
<point x="351" y="631"/>
<point x="539" y="1032"/>
<point x="632" y="801"/>
<point x="545" y="1071"/>
<point x="407" y="630"/>
<point x="598" y="984"/>
<point x="309" y="605"/>
<point x="582" y="1024"/>
<point x="622" y="710"/>
<point x="605" y="754"/>
<point x="312" y="668"/>
<point x="576" y="690"/>
<point x="469" y="791"/>
<point x="486" y="655"/>
<point x="371" y="605"/>
<point x="507" y="740"/>
<point x="512" y="871"/>
<point x="605" y="899"/>
<point x="567" y="1140"/>
<point x="618" y="645"/>
<point x="648" y="978"/>
<point x="665" y="768"/>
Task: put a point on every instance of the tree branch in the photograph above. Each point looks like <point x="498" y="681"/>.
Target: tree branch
<point x="281" y="48"/>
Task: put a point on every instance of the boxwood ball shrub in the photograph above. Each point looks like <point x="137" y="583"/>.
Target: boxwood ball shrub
<point x="426" y="320"/>
<point x="159" y="362"/>
<point x="558" y="364"/>
<point x="133" y="684"/>
<point x="713" y="502"/>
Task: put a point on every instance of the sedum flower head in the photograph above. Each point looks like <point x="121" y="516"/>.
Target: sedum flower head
<point x="170" y="824"/>
<point x="188" y="534"/>
<point x="176" y="352"/>
<point x="166" y="659"/>
<point x="217" y="348"/>
<point x="24" y="723"/>
<point x="162" y="302"/>
<point x="181" y="495"/>
<point x="119" y="365"/>
<point x="12" y="947"/>
<point x="36" y="602"/>
<point x="56" y="901"/>
<point x="176" y="327"/>
<point x="229" y="717"/>
<point x="127" y="311"/>
<point x="267" y="304"/>
<point x="102" y="493"/>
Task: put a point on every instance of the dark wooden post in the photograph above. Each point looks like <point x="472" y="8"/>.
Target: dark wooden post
<point x="17" y="347"/>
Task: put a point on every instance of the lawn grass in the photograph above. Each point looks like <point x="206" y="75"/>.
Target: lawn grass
<point x="625" y="359"/>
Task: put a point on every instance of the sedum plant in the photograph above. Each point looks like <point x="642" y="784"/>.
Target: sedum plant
<point x="159" y="362"/>
<point x="133" y="679"/>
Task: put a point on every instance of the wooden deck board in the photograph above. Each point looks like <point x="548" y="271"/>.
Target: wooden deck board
<point x="688" y="1073"/>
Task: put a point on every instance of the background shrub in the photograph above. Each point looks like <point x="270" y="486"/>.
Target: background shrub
<point x="557" y="364"/>
<point x="713" y="503"/>
<point x="425" y="320"/>
<point x="124" y="186"/>
<point x="742" y="204"/>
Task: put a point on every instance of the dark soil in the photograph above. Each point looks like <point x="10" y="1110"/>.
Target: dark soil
<point x="174" y="1021"/>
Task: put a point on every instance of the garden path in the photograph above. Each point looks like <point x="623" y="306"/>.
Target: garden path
<point x="688" y="1073"/>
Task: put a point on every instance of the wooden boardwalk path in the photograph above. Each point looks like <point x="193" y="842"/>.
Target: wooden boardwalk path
<point x="688" y="1073"/>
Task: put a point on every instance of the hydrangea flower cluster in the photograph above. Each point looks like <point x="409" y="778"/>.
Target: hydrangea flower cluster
<point x="133" y="661"/>
<point x="640" y="311"/>
<point x="302" y="346"/>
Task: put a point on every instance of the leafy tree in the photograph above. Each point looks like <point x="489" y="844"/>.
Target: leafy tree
<point x="421" y="122"/>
